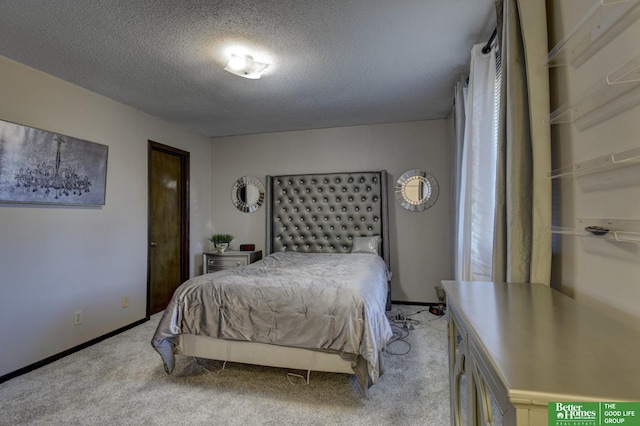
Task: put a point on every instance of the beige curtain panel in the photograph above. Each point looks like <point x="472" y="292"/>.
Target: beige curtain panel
<point x="522" y="241"/>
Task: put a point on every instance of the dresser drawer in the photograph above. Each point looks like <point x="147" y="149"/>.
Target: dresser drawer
<point x="214" y="261"/>
<point x="227" y="261"/>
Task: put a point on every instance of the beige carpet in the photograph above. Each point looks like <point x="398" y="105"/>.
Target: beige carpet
<point x="120" y="381"/>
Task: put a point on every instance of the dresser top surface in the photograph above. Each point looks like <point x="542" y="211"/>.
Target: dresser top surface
<point x="232" y="252"/>
<point x="547" y="347"/>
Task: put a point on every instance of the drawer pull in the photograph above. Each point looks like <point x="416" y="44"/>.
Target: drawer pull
<point x="239" y="263"/>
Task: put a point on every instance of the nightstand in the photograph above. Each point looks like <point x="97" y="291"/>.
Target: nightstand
<point x="215" y="261"/>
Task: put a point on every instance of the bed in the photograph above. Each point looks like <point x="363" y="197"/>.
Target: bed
<point x="315" y="302"/>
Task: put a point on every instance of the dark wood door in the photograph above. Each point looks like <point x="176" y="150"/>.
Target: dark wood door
<point x="168" y="260"/>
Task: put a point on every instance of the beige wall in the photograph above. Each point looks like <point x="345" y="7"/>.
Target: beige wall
<point x="603" y="274"/>
<point x="58" y="260"/>
<point x="420" y="242"/>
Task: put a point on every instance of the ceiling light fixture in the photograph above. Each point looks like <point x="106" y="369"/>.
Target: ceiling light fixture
<point x="245" y="66"/>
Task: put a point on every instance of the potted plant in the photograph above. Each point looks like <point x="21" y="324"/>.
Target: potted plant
<point x="221" y="241"/>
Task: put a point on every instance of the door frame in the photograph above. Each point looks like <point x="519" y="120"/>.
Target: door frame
<point x="184" y="212"/>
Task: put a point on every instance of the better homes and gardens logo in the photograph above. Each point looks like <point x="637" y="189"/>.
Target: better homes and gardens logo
<point x="594" y="413"/>
<point x="575" y="413"/>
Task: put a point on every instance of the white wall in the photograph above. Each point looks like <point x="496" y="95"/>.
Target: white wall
<point x="58" y="260"/>
<point x="420" y="242"/>
<point x="602" y="274"/>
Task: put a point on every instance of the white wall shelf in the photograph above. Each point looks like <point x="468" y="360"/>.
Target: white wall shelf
<point x="616" y="92"/>
<point x="599" y="164"/>
<point x="619" y="230"/>
<point x="603" y="22"/>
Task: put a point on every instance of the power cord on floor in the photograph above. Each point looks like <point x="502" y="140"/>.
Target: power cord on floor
<point x="402" y="324"/>
<point x="215" y="373"/>
<point x="398" y="339"/>
<point x="437" y="310"/>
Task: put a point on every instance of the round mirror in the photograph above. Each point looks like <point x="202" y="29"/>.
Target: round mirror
<point x="247" y="194"/>
<point x="416" y="190"/>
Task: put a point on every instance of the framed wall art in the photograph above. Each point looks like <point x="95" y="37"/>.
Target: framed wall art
<point x="41" y="167"/>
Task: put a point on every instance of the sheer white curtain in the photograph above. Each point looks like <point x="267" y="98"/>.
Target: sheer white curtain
<point x="476" y="163"/>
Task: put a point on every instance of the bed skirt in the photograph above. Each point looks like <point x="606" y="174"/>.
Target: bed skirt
<point x="273" y="356"/>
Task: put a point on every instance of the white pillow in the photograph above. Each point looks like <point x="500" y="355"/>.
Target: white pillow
<point x="366" y="244"/>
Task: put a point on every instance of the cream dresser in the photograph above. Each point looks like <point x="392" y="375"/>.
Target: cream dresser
<point x="513" y="348"/>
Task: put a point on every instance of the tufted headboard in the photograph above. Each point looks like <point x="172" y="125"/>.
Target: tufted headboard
<point x="321" y="213"/>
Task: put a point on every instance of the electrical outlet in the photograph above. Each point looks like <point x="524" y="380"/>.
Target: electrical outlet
<point x="125" y="302"/>
<point x="77" y="318"/>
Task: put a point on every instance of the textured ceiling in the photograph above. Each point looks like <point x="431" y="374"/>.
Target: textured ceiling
<point x="333" y="62"/>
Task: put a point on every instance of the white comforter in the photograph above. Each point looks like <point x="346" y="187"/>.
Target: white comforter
<point x="333" y="302"/>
